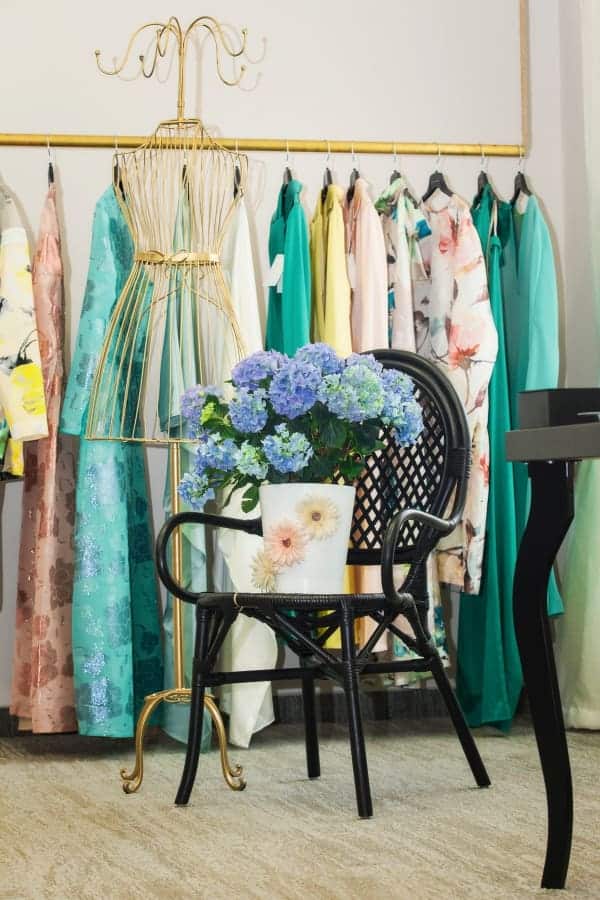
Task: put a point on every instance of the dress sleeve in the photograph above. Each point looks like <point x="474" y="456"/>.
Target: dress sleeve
<point x="108" y="258"/>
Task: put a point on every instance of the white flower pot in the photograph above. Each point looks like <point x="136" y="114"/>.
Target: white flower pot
<point x="306" y="530"/>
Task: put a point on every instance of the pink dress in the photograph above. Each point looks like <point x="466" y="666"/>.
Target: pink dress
<point x="42" y="687"/>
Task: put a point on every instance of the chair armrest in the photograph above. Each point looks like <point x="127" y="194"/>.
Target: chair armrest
<point x="390" y="541"/>
<point x="250" y="526"/>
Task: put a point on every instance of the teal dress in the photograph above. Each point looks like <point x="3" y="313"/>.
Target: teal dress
<point x="288" y="319"/>
<point x="531" y="322"/>
<point x="489" y="678"/>
<point x="117" y="657"/>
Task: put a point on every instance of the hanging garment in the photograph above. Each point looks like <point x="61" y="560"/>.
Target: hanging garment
<point x="455" y="329"/>
<point x="116" y="627"/>
<point x="489" y="677"/>
<point x="288" y="319"/>
<point x="250" y="644"/>
<point x="367" y="270"/>
<point x="180" y="370"/>
<point x="404" y="225"/>
<point x="329" y="277"/>
<point x="22" y="402"/>
<point x="531" y="321"/>
<point x="42" y="686"/>
<point x="577" y="631"/>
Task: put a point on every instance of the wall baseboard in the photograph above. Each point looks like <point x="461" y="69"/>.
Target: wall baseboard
<point x="377" y="705"/>
<point x="8" y="723"/>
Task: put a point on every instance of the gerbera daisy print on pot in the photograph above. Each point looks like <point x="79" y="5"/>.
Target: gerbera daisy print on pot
<point x="319" y="517"/>
<point x="264" y="572"/>
<point x="285" y="543"/>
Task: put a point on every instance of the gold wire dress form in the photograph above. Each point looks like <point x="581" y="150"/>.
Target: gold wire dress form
<point x="174" y="319"/>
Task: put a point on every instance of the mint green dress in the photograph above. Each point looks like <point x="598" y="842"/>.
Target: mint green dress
<point x="288" y="318"/>
<point x="117" y="657"/>
<point x="489" y="678"/>
<point x="531" y="321"/>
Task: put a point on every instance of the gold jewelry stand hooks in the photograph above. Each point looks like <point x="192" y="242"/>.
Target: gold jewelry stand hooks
<point x="173" y="326"/>
<point x="163" y="33"/>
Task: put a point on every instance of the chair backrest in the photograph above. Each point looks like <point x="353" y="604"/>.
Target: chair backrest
<point x="425" y="476"/>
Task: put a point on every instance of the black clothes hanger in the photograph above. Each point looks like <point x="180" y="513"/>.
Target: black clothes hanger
<point x="327" y="180"/>
<point x="521" y="187"/>
<point x="287" y="176"/>
<point x="50" y="166"/>
<point x="237" y="180"/>
<point x="437" y="182"/>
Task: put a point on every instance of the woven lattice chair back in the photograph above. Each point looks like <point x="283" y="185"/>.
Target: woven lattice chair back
<point x="425" y="476"/>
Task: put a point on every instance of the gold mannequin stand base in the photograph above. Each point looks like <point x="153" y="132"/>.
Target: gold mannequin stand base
<point x="132" y="780"/>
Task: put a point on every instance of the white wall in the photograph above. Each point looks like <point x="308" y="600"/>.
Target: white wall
<point x="339" y="70"/>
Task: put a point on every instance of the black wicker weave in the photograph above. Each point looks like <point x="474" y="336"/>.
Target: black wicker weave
<point x="401" y="511"/>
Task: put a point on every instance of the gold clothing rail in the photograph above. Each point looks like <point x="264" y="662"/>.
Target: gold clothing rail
<point x="275" y="145"/>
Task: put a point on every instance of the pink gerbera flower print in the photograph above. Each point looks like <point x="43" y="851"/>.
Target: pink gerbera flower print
<point x="285" y="543"/>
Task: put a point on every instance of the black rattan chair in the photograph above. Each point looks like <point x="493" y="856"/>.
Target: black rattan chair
<point x="401" y="511"/>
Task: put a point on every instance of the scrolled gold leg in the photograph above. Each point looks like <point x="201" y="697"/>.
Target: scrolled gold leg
<point x="132" y="780"/>
<point x="232" y="775"/>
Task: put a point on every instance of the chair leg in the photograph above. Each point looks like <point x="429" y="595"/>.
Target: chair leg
<point x="357" y="740"/>
<point x="311" y="737"/>
<point x="192" y="756"/>
<point x="462" y="729"/>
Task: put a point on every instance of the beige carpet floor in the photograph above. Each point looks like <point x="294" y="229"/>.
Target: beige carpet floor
<point x="68" y="831"/>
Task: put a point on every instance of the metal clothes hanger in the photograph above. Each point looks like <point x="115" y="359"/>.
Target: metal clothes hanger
<point x="50" y="165"/>
<point x="437" y="182"/>
<point x="521" y="186"/>
<point x="482" y="179"/>
<point x="237" y="172"/>
<point x="327" y="176"/>
<point x="395" y="174"/>
<point x="354" y="176"/>
<point x="287" y="172"/>
<point x="117" y="180"/>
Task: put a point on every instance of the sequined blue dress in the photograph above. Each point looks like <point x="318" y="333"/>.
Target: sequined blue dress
<point x="117" y="656"/>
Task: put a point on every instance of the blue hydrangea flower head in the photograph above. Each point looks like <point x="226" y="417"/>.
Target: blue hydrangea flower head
<point x="322" y="356"/>
<point x="251" y="461"/>
<point x="252" y="371"/>
<point x="215" y="452"/>
<point x="248" y="410"/>
<point x="193" y="400"/>
<point x="365" y="359"/>
<point x="195" y="491"/>
<point x="356" y="395"/>
<point x="293" y="390"/>
<point x="287" y="452"/>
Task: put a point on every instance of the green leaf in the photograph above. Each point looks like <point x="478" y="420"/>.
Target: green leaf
<point x="366" y="438"/>
<point x="250" y="498"/>
<point x="333" y="433"/>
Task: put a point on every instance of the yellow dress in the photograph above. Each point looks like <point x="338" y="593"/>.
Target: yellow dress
<point x="331" y="297"/>
<point x="330" y="286"/>
<point x="22" y="401"/>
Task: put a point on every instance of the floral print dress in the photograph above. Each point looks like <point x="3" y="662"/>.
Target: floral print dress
<point x="454" y="328"/>
<point x="116" y="626"/>
<point x="42" y="687"/>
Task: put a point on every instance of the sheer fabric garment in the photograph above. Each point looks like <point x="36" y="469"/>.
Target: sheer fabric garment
<point x="42" y="686"/>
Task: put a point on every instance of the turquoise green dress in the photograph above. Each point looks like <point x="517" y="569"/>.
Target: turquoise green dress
<point x="531" y="322"/>
<point x="523" y="296"/>
<point x="288" y="319"/>
<point x="489" y="678"/>
<point x="117" y="656"/>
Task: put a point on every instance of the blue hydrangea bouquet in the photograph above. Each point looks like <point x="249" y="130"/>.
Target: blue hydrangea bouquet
<point x="310" y="418"/>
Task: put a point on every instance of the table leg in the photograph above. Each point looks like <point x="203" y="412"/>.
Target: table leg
<point x="550" y="515"/>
